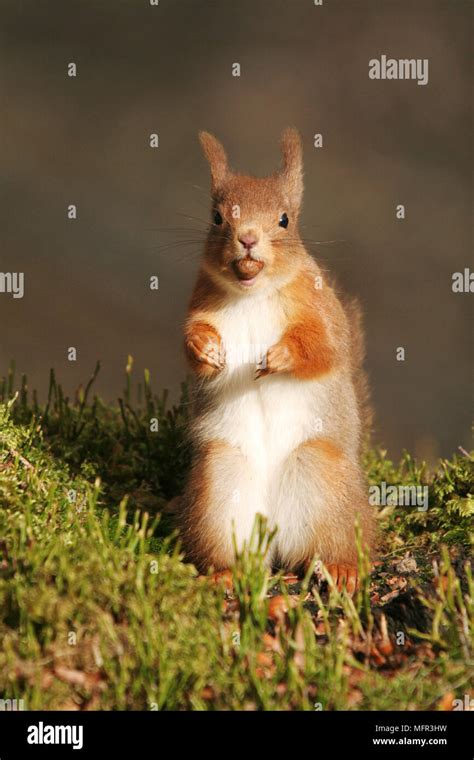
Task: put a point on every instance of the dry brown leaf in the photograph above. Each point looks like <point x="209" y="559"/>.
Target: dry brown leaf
<point x="277" y="608"/>
<point x="446" y="702"/>
<point x="90" y="681"/>
<point x="290" y="579"/>
<point x="208" y="693"/>
<point x="265" y="659"/>
<point x="397" y="582"/>
<point x="406" y="565"/>
<point x="271" y="642"/>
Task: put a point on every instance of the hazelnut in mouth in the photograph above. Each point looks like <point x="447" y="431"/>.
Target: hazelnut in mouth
<point x="247" y="269"/>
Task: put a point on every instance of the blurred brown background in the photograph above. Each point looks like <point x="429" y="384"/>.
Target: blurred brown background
<point x="167" y="69"/>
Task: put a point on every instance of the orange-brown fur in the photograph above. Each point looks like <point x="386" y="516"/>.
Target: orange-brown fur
<point x="333" y="535"/>
<point x="201" y="533"/>
<point x="322" y="338"/>
<point x="307" y="338"/>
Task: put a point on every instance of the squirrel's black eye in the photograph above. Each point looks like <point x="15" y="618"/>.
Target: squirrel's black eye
<point x="283" y="221"/>
<point x="217" y="218"/>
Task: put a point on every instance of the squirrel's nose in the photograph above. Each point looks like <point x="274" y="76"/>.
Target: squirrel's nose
<point x="248" y="241"/>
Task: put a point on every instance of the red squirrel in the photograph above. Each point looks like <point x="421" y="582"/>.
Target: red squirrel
<point x="281" y="396"/>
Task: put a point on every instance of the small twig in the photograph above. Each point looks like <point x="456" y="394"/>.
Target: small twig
<point x="16" y="454"/>
<point x="463" y="451"/>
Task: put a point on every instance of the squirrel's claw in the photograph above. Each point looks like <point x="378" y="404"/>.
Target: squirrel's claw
<point x="261" y="369"/>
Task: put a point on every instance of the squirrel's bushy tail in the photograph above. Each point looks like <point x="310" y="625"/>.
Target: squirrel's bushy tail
<point x="361" y="382"/>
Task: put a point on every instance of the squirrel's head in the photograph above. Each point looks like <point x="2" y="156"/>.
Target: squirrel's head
<point x="253" y="238"/>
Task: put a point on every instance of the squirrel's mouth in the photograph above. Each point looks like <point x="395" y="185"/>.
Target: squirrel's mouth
<point x="246" y="270"/>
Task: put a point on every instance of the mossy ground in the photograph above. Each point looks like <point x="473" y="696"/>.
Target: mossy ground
<point x="99" y="611"/>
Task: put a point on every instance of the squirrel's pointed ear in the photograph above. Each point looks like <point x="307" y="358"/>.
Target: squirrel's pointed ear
<point x="216" y="155"/>
<point x="292" y="172"/>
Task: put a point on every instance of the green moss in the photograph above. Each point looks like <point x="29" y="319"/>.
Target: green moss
<point x="98" y="610"/>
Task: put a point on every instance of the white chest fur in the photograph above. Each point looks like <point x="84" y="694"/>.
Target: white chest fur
<point x="266" y="418"/>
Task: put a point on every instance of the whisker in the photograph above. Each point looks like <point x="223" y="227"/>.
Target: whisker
<point x="322" y="242"/>
<point x="179" y="255"/>
<point x="223" y="235"/>
<point x="176" y="230"/>
<point x="306" y="241"/>
<point x="212" y="245"/>
<point x="207" y="222"/>
<point x="201" y="189"/>
<point x="175" y="244"/>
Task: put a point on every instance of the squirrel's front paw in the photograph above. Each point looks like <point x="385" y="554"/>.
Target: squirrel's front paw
<point x="278" y="359"/>
<point x="204" y="346"/>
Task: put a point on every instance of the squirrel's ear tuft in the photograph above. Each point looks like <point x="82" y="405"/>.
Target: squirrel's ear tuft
<point x="292" y="172"/>
<point x="216" y="155"/>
